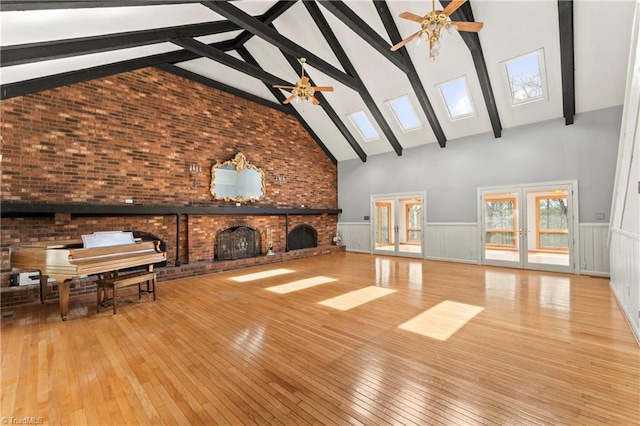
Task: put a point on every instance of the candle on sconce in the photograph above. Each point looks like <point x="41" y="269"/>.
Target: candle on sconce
<point x="195" y="171"/>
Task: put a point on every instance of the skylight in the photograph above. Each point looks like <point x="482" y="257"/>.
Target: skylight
<point x="457" y="99"/>
<point x="525" y="77"/>
<point x="364" y="126"/>
<point x="404" y="112"/>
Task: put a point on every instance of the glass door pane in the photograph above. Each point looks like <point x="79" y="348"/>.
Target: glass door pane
<point x="549" y="229"/>
<point x="398" y="225"/>
<point x="528" y="227"/>
<point x="383" y="228"/>
<point x="410" y="226"/>
<point x="501" y="228"/>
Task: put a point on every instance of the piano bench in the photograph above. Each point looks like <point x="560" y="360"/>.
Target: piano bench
<point x="115" y="283"/>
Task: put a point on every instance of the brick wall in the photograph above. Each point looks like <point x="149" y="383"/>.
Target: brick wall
<point x="133" y="136"/>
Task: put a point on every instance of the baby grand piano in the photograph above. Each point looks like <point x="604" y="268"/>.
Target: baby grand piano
<point x="99" y="253"/>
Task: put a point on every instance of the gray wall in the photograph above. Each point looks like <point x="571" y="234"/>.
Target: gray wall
<point x="542" y="152"/>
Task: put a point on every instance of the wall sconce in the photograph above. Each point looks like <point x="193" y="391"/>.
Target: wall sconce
<point x="280" y="179"/>
<point x="194" y="171"/>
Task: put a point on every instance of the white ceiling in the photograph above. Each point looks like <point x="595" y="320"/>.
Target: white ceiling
<point x="511" y="28"/>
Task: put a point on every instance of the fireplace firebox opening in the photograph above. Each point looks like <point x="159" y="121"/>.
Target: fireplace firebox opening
<point x="302" y="237"/>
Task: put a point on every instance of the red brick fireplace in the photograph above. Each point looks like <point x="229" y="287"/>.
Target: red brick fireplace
<point x="83" y="158"/>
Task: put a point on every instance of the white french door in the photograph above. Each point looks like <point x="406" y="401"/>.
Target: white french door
<point x="530" y="226"/>
<point x="398" y="224"/>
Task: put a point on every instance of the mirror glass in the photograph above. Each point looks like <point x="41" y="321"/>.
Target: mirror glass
<point x="237" y="180"/>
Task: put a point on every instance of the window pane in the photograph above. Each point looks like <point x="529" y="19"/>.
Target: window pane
<point x="363" y="124"/>
<point x="554" y="240"/>
<point x="415" y="216"/>
<point x="457" y="98"/>
<point x="525" y="78"/>
<point x="404" y="113"/>
<point x="499" y="214"/>
<point x="553" y="213"/>
<point x="415" y="235"/>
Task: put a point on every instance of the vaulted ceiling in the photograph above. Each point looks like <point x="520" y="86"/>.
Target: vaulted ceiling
<point x="245" y="47"/>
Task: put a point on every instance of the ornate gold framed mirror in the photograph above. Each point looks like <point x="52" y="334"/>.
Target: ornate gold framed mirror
<point x="237" y="180"/>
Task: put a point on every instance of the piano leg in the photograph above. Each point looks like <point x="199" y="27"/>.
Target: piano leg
<point x="44" y="280"/>
<point x="63" y="289"/>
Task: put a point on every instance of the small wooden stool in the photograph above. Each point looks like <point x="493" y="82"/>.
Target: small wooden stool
<point x="115" y="283"/>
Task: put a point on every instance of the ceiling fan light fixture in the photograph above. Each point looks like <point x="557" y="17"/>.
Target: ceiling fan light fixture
<point x="435" y="49"/>
<point x="432" y="24"/>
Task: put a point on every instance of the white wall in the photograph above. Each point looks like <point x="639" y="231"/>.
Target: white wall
<point x="625" y="217"/>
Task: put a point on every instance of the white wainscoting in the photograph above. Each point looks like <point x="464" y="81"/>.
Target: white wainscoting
<point x="625" y="275"/>
<point x="455" y="242"/>
<point x="458" y="242"/>
<point x="356" y="236"/>
<point x="594" y="254"/>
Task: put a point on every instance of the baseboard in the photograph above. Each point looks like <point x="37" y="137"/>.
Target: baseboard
<point x="358" y="251"/>
<point x="595" y="273"/>
<point x="447" y="259"/>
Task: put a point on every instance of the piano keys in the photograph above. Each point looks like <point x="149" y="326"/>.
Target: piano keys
<point x="65" y="260"/>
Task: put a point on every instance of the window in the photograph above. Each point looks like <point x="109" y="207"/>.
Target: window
<point x="553" y="223"/>
<point x="383" y="223"/>
<point x="413" y="218"/>
<point x="364" y="126"/>
<point x="404" y="112"/>
<point x="525" y="78"/>
<point x="500" y="225"/>
<point x="455" y="94"/>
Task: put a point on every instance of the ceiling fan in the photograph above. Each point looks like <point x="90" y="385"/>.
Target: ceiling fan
<point x="303" y="89"/>
<point x="435" y="21"/>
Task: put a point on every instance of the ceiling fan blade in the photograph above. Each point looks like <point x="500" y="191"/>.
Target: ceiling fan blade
<point x="472" y="27"/>
<point x="314" y="100"/>
<point x="411" y="16"/>
<point x="289" y="99"/>
<point x="277" y="86"/>
<point x="405" y="41"/>
<point x="323" y="88"/>
<point x="453" y="6"/>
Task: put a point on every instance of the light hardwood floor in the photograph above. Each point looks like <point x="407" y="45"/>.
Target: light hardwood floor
<point x="542" y="349"/>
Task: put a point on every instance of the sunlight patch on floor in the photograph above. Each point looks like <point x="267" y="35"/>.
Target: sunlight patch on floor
<point x="443" y="320"/>
<point x="356" y="298"/>
<point x="300" y="284"/>
<point x="260" y="275"/>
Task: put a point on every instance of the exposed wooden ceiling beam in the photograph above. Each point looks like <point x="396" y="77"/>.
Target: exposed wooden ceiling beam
<point x="464" y="13"/>
<point x="44" y="51"/>
<point x="25" y="87"/>
<point x="360" y="27"/>
<point x="267" y="33"/>
<point x="219" y="56"/>
<point x="270" y="15"/>
<point x="244" y="54"/>
<point x="412" y="75"/>
<point x="332" y="40"/>
<point x="567" y="58"/>
<point x="15" y="5"/>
